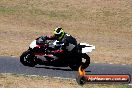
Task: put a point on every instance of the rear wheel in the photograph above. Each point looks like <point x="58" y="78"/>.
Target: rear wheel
<point x="74" y="67"/>
<point x="84" y="61"/>
<point x="27" y="59"/>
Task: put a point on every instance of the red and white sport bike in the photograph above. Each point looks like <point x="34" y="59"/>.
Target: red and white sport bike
<point x="46" y="52"/>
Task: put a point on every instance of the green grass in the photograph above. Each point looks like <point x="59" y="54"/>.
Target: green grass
<point x="7" y="10"/>
<point x="109" y="16"/>
<point x="124" y="86"/>
<point x="9" y="80"/>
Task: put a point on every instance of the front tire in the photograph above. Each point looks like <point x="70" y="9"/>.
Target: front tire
<point x="27" y="59"/>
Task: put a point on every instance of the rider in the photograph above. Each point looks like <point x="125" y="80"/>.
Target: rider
<point x="66" y="40"/>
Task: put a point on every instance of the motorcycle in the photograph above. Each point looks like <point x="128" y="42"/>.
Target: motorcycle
<point x="47" y="52"/>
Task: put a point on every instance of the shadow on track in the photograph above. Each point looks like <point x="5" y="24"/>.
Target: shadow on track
<point x="57" y="68"/>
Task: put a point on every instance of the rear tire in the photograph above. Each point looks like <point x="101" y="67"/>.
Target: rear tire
<point x="85" y="64"/>
<point x="74" y="67"/>
<point x="27" y="59"/>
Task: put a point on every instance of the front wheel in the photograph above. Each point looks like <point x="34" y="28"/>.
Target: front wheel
<point x="84" y="61"/>
<point x="27" y="59"/>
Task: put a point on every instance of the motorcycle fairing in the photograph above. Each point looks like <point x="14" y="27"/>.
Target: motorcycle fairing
<point x="33" y="44"/>
<point x="86" y="48"/>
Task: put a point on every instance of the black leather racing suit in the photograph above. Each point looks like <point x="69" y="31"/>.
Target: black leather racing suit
<point x="68" y="42"/>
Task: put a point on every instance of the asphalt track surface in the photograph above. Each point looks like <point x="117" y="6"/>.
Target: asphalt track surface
<point x="12" y="65"/>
